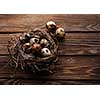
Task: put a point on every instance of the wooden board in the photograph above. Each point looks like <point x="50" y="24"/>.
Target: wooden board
<point x="74" y="44"/>
<point x="78" y="55"/>
<point x="17" y="23"/>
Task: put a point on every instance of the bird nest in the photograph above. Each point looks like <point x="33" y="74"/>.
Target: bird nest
<point x="35" y="50"/>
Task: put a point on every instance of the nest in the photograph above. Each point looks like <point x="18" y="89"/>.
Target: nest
<point x="33" y="60"/>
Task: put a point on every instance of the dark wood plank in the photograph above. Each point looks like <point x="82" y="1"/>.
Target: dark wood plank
<point x="67" y="68"/>
<point x="79" y="54"/>
<point x="74" y="44"/>
<point x="47" y="82"/>
<point x="18" y="23"/>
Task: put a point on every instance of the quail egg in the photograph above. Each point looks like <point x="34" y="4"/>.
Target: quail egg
<point x="34" y="41"/>
<point x="36" y="47"/>
<point x="22" y="39"/>
<point x="26" y="48"/>
<point x="51" y="26"/>
<point x="60" y="33"/>
<point x="44" y="42"/>
<point x="45" y="52"/>
<point x="27" y="35"/>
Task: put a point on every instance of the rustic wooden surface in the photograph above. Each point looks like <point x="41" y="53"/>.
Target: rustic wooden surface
<point x="79" y="54"/>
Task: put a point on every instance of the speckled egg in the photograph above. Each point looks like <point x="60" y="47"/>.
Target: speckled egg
<point x="44" y="42"/>
<point x="51" y="26"/>
<point x="34" y="41"/>
<point x="60" y="32"/>
<point x="45" y="52"/>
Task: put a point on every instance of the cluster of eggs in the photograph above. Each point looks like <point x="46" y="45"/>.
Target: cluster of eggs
<point x="53" y="28"/>
<point x="40" y="46"/>
<point x="35" y="45"/>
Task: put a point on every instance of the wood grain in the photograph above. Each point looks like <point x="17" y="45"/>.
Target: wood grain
<point x="19" y="23"/>
<point x="67" y="68"/>
<point x="78" y="54"/>
<point x="74" y="44"/>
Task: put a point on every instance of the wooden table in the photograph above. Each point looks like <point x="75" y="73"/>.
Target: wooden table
<point x="79" y="54"/>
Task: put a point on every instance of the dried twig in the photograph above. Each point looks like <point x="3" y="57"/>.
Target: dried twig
<point x="22" y="60"/>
